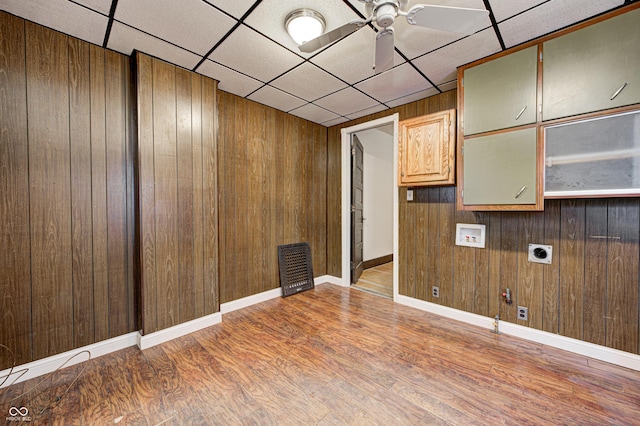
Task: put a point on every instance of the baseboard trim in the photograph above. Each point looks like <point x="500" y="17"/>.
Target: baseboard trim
<point x="50" y="364"/>
<point x="602" y="353"/>
<point x="372" y="263"/>
<point x="328" y="279"/>
<point x="145" y="341"/>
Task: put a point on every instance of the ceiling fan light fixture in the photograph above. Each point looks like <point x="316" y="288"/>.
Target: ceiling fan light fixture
<point x="304" y="25"/>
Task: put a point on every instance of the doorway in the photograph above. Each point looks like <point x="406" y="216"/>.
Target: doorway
<point x="390" y="122"/>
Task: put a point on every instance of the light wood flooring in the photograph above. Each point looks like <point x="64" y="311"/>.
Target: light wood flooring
<point x="335" y="356"/>
<point x="377" y="280"/>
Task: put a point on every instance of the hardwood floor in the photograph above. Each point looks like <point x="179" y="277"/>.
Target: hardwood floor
<point x="335" y="356"/>
<point x="377" y="280"/>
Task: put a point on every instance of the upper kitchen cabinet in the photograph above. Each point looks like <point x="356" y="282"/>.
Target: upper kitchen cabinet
<point x="500" y="172"/>
<point x="592" y="69"/>
<point x="427" y="150"/>
<point x="500" y="93"/>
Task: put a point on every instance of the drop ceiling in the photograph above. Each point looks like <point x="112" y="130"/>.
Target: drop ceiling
<point x="243" y="45"/>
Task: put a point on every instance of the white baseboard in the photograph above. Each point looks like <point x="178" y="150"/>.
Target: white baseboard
<point x="148" y="340"/>
<point x="329" y="279"/>
<point x="50" y="364"/>
<point x="602" y="353"/>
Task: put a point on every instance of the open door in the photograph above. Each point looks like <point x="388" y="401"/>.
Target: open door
<point x="357" y="183"/>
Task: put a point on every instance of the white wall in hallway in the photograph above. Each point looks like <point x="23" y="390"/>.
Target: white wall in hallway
<point x="378" y="193"/>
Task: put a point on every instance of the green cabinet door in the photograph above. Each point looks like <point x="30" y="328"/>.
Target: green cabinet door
<point x="500" y="169"/>
<point x="501" y="93"/>
<point x="592" y="69"/>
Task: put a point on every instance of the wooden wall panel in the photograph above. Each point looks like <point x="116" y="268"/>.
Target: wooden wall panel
<point x="272" y="179"/>
<point x="68" y="190"/>
<point x="572" y="225"/>
<point x="15" y="262"/>
<point x="589" y="291"/>
<point x="177" y="151"/>
<point x="622" y="275"/>
<point x="50" y="197"/>
<point x="80" y="148"/>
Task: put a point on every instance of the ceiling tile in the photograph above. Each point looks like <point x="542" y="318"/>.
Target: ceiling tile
<point x="450" y="85"/>
<point x="351" y="58"/>
<point x="235" y="8"/>
<point x="308" y="82"/>
<point x="269" y="17"/>
<point x="549" y="17"/>
<point x="314" y="113"/>
<point x="230" y="80"/>
<point x="102" y="6"/>
<point x="187" y="23"/>
<point x="276" y="98"/>
<point x="61" y="15"/>
<point x="366" y="111"/>
<point x="395" y="83"/>
<point x="503" y="9"/>
<point x="335" y="121"/>
<point x="346" y="101"/>
<point x="440" y="66"/>
<point x="413" y="40"/>
<point x="413" y="97"/>
<point x="250" y="53"/>
<point x="125" y="39"/>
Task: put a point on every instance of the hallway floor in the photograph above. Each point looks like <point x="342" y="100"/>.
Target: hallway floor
<point x="377" y="280"/>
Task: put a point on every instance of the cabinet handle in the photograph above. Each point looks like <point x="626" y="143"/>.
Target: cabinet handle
<point x="618" y="91"/>
<point x="524" y="188"/>
<point x="521" y="112"/>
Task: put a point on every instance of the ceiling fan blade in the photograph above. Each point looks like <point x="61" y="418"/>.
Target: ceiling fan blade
<point x="333" y="35"/>
<point x="384" y="50"/>
<point x="448" y="18"/>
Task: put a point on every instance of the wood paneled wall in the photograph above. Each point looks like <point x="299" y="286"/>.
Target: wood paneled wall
<point x="177" y="122"/>
<point x="589" y="292"/>
<point x="66" y="173"/>
<point x="272" y="179"/>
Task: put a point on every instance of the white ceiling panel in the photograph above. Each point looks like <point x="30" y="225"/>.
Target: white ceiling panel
<point x="440" y="65"/>
<point x="413" y="97"/>
<point x="102" y="6"/>
<point x="269" y="17"/>
<point x="346" y="101"/>
<point x="549" y="17"/>
<point x="61" y="15"/>
<point x="125" y="39"/>
<point x="335" y="121"/>
<point x="503" y="9"/>
<point x="366" y="111"/>
<point x="308" y="82"/>
<point x="393" y="84"/>
<point x="252" y="47"/>
<point x="250" y="53"/>
<point x="236" y="8"/>
<point x="186" y="23"/>
<point x="276" y="98"/>
<point x="314" y="113"/>
<point x="229" y="80"/>
<point x="351" y="59"/>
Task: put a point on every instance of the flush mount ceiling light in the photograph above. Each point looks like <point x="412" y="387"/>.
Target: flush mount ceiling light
<point x="304" y="25"/>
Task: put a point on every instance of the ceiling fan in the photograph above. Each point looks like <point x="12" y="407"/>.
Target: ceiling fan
<point x="384" y="12"/>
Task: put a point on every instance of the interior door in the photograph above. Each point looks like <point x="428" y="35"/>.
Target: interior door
<point x="356" y="208"/>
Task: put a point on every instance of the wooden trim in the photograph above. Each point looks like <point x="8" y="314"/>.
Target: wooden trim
<point x="372" y="263"/>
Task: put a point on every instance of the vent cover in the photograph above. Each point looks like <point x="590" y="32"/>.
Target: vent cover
<point x="296" y="270"/>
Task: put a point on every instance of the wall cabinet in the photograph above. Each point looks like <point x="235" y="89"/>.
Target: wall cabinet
<point x="427" y="150"/>
<point x="501" y="170"/>
<point x="592" y="69"/>
<point x="501" y="93"/>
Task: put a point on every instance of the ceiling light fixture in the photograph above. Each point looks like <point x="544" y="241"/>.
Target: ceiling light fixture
<point x="304" y="25"/>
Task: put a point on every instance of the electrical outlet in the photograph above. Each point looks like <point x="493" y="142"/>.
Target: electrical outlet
<point x="523" y="313"/>
<point x="435" y="291"/>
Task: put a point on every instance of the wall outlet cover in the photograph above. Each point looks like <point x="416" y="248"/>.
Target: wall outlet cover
<point x="540" y="253"/>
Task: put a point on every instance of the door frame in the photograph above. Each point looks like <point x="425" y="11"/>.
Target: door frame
<point x="346" y="195"/>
